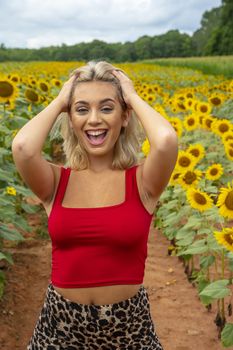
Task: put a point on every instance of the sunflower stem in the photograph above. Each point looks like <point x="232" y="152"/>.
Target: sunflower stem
<point x="208" y="274"/>
<point x="218" y="306"/>
<point x="192" y="264"/>
<point x="4" y="110"/>
<point x="216" y="267"/>
<point x="222" y="300"/>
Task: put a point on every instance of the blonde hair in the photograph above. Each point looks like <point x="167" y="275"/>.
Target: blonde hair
<point x="128" y="146"/>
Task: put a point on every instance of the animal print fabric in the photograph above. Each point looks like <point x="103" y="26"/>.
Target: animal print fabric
<point x="64" y="324"/>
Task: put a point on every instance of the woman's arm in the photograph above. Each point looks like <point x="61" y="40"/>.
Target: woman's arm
<point x="28" y="143"/>
<point x="161" y="159"/>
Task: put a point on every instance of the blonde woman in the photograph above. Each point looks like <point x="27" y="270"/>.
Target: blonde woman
<point x="99" y="205"/>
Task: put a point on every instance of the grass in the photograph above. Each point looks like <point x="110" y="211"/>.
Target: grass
<point x="214" y="65"/>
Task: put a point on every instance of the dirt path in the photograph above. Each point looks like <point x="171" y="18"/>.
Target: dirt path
<point x="181" y="321"/>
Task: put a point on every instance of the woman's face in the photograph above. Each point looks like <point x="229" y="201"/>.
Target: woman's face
<point x="96" y="107"/>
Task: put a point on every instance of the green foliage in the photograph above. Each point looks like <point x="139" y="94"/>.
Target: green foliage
<point x="221" y="40"/>
<point x="216" y="289"/>
<point x="218" y="65"/>
<point x="201" y="37"/>
<point x="13" y="207"/>
<point x="227" y="335"/>
<point x="173" y="43"/>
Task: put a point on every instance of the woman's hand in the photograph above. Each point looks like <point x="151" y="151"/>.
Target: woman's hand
<point x="64" y="94"/>
<point x="126" y="86"/>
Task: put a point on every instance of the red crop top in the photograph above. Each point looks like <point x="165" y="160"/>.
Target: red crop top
<point x="99" y="246"/>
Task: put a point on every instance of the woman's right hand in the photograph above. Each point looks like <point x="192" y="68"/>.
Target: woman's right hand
<point x="64" y="94"/>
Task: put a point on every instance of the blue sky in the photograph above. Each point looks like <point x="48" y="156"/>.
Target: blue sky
<point x="34" y="23"/>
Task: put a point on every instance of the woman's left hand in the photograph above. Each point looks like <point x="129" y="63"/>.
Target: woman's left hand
<point x="126" y="86"/>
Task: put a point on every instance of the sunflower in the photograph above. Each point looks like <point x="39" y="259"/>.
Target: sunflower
<point x="179" y="104"/>
<point x="227" y="136"/>
<point x="189" y="104"/>
<point x="191" y="122"/>
<point x="174" y="179"/>
<point x="225" y="201"/>
<point x="32" y="80"/>
<point x="43" y="85"/>
<point x="207" y="122"/>
<point x="156" y="88"/>
<point x="214" y="171"/>
<point x="178" y="129"/>
<point x="175" y="121"/>
<point x="189" y="178"/>
<point x="32" y="96"/>
<point x="8" y="90"/>
<point x="225" y="237"/>
<point x="185" y="160"/>
<point x="56" y="82"/>
<point x="220" y="127"/>
<point x="203" y="107"/>
<point x="150" y="98"/>
<point x="14" y="77"/>
<point x="216" y="99"/>
<point x="11" y="191"/>
<point x="146" y="147"/>
<point x="197" y="150"/>
<point x="199" y="199"/>
<point x="229" y="152"/>
<point x="228" y="143"/>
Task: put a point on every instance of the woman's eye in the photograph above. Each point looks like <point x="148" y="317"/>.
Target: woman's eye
<point x="80" y="110"/>
<point x="107" y="109"/>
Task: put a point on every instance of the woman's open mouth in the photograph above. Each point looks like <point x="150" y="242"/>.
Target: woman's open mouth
<point x="96" y="139"/>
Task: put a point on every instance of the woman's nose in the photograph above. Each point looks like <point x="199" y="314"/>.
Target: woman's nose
<point x="94" y="116"/>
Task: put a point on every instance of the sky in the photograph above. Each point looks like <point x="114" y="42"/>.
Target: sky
<point x="41" y="23"/>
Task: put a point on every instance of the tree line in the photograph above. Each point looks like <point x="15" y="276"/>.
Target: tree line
<point x="214" y="37"/>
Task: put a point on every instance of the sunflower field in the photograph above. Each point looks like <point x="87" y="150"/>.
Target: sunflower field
<point x="195" y="212"/>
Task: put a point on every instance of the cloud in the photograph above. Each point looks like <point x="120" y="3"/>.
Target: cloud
<point x="34" y="23"/>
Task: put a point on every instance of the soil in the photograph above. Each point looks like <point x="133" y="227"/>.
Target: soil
<point x="181" y="321"/>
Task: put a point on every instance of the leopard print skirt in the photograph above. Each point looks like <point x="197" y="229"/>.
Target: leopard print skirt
<point x="64" y="324"/>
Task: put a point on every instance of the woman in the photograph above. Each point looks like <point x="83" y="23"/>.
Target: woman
<point x="99" y="209"/>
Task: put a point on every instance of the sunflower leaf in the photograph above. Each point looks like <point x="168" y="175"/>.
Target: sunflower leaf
<point x="7" y="256"/>
<point x="216" y="289"/>
<point x="198" y="247"/>
<point x="227" y="335"/>
<point x="206" y="261"/>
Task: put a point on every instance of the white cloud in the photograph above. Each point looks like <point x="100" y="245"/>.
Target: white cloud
<point x="34" y="23"/>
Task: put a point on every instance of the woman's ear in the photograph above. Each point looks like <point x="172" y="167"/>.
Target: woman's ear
<point x="126" y="117"/>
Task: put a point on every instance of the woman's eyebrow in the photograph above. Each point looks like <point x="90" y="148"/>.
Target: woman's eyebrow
<point x="104" y="100"/>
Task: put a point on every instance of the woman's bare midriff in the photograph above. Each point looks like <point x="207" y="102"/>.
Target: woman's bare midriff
<point x="99" y="295"/>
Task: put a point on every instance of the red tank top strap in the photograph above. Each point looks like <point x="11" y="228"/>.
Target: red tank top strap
<point x="132" y="182"/>
<point x="64" y="177"/>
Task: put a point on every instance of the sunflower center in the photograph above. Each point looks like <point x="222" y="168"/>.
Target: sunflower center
<point x="191" y="121"/>
<point x="229" y="238"/>
<point x="176" y="176"/>
<point x="44" y="87"/>
<point x="190" y="177"/>
<point x="204" y="109"/>
<point x="214" y="171"/>
<point x="200" y="199"/>
<point x="208" y="123"/>
<point x="195" y="152"/>
<point x="216" y="101"/>
<point x="229" y="201"/>
<point x="223" y="127"/>
<point x="184" y="161"/>
<point x="6" y="89"/>
<point x="31" y="95"/>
